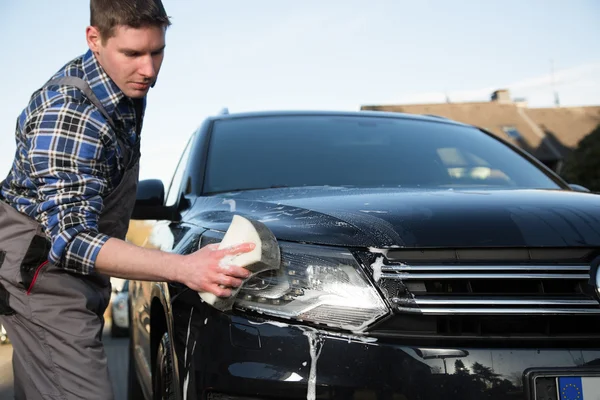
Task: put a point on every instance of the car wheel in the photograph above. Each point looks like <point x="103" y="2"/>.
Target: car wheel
<point x="164" y="387"/>
<point x="134" y="390"/>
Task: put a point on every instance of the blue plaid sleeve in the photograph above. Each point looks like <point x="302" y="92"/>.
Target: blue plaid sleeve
<point x="65" y="157"/>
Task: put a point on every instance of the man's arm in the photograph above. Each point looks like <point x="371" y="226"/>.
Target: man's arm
<point x="202" y="270"/>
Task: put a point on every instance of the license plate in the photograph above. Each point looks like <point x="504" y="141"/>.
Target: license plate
<point x="564" y="384"/>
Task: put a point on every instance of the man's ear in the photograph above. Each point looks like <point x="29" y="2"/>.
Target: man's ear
<point x="93" y="38"/>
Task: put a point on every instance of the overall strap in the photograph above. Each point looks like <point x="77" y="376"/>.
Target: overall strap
<point x="130" y="155"/>
<point x="84" y="87"/>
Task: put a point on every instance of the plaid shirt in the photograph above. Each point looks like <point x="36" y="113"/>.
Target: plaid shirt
<point x="67" y="160"/>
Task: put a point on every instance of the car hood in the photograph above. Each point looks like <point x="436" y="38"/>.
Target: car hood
<point x="388" y="218"/>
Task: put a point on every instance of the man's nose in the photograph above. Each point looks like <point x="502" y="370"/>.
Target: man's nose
<point x="146" y="67"/>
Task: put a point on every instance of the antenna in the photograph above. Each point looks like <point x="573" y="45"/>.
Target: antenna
<point x="556" y="99"/>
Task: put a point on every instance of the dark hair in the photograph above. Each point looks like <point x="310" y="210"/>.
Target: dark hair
<point x="105" y="15"/>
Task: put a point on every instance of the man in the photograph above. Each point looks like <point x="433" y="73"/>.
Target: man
<point x="66" y="203"/>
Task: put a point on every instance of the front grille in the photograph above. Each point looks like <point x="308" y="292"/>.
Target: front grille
<point x="496" y="292"/>
<point x="221" y="396"/>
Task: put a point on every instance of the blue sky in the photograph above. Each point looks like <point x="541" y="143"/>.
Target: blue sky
<point x="325" y="54"/>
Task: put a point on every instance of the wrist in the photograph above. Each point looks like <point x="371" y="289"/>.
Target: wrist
<point x="176" y="269"/>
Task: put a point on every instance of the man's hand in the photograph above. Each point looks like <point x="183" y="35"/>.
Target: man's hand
<point x="208" y="270"/>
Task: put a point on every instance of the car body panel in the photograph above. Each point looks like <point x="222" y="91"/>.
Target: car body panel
<point x="148" y="298"/>
<point x="357" y="217"/>
<point x="141" y="300"/>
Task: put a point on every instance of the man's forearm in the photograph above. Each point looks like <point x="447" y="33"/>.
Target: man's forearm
<point x="125" y="260"/>
<point x="202" y="270"/>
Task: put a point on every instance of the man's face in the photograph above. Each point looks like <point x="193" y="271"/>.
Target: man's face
<point x="131" y="57"/>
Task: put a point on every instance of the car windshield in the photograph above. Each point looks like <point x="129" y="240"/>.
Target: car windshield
<point x="360" y="151"/>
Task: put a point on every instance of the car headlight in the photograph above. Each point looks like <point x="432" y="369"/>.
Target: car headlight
<point x="315" y="284"/>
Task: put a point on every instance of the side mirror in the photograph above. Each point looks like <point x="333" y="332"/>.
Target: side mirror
<point x="578" y="188"/>
<point x="150" y="193"/>
<point x="149" y="202"/>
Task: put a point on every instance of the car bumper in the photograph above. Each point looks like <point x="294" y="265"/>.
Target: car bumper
<point x="237" y="358"/>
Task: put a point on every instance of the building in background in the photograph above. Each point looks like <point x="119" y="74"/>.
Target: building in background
<point x="549" y="134"/>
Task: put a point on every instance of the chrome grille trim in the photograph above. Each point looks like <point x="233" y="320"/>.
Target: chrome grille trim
<point x="524" y="267"/>
<point x="503" y="311"/>
<point x="406" y="276"/>
<point x="505" y="302"/>
<point x="502" y="287"/>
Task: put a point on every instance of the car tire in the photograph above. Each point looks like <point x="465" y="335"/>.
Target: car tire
<point x="163" y="382"/>
<point x="134" y="390"/>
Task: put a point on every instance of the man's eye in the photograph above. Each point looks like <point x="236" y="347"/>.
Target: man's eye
<point x="130" y="54"/>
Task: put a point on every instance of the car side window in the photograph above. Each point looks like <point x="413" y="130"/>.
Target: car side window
<point x="175" y="185"/>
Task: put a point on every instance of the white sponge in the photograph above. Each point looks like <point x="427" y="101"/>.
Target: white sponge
<point x="265" y="256"/>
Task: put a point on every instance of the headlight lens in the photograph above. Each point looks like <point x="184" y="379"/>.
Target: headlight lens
<point x="315" y="284"/>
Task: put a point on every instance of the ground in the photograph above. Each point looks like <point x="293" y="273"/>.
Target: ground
<point x="117" y="353"/>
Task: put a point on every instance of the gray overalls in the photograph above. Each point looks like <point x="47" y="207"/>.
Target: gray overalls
<point x="54" y="318"/>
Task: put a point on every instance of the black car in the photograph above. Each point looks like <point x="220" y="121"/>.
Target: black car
<point x="421" y="259"/>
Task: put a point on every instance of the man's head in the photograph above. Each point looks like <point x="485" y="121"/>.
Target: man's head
<point x="128" y="39"/>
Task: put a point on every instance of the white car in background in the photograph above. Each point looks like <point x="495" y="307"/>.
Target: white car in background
<point x="120" y="312"/>
<point x="3" y="335"/>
